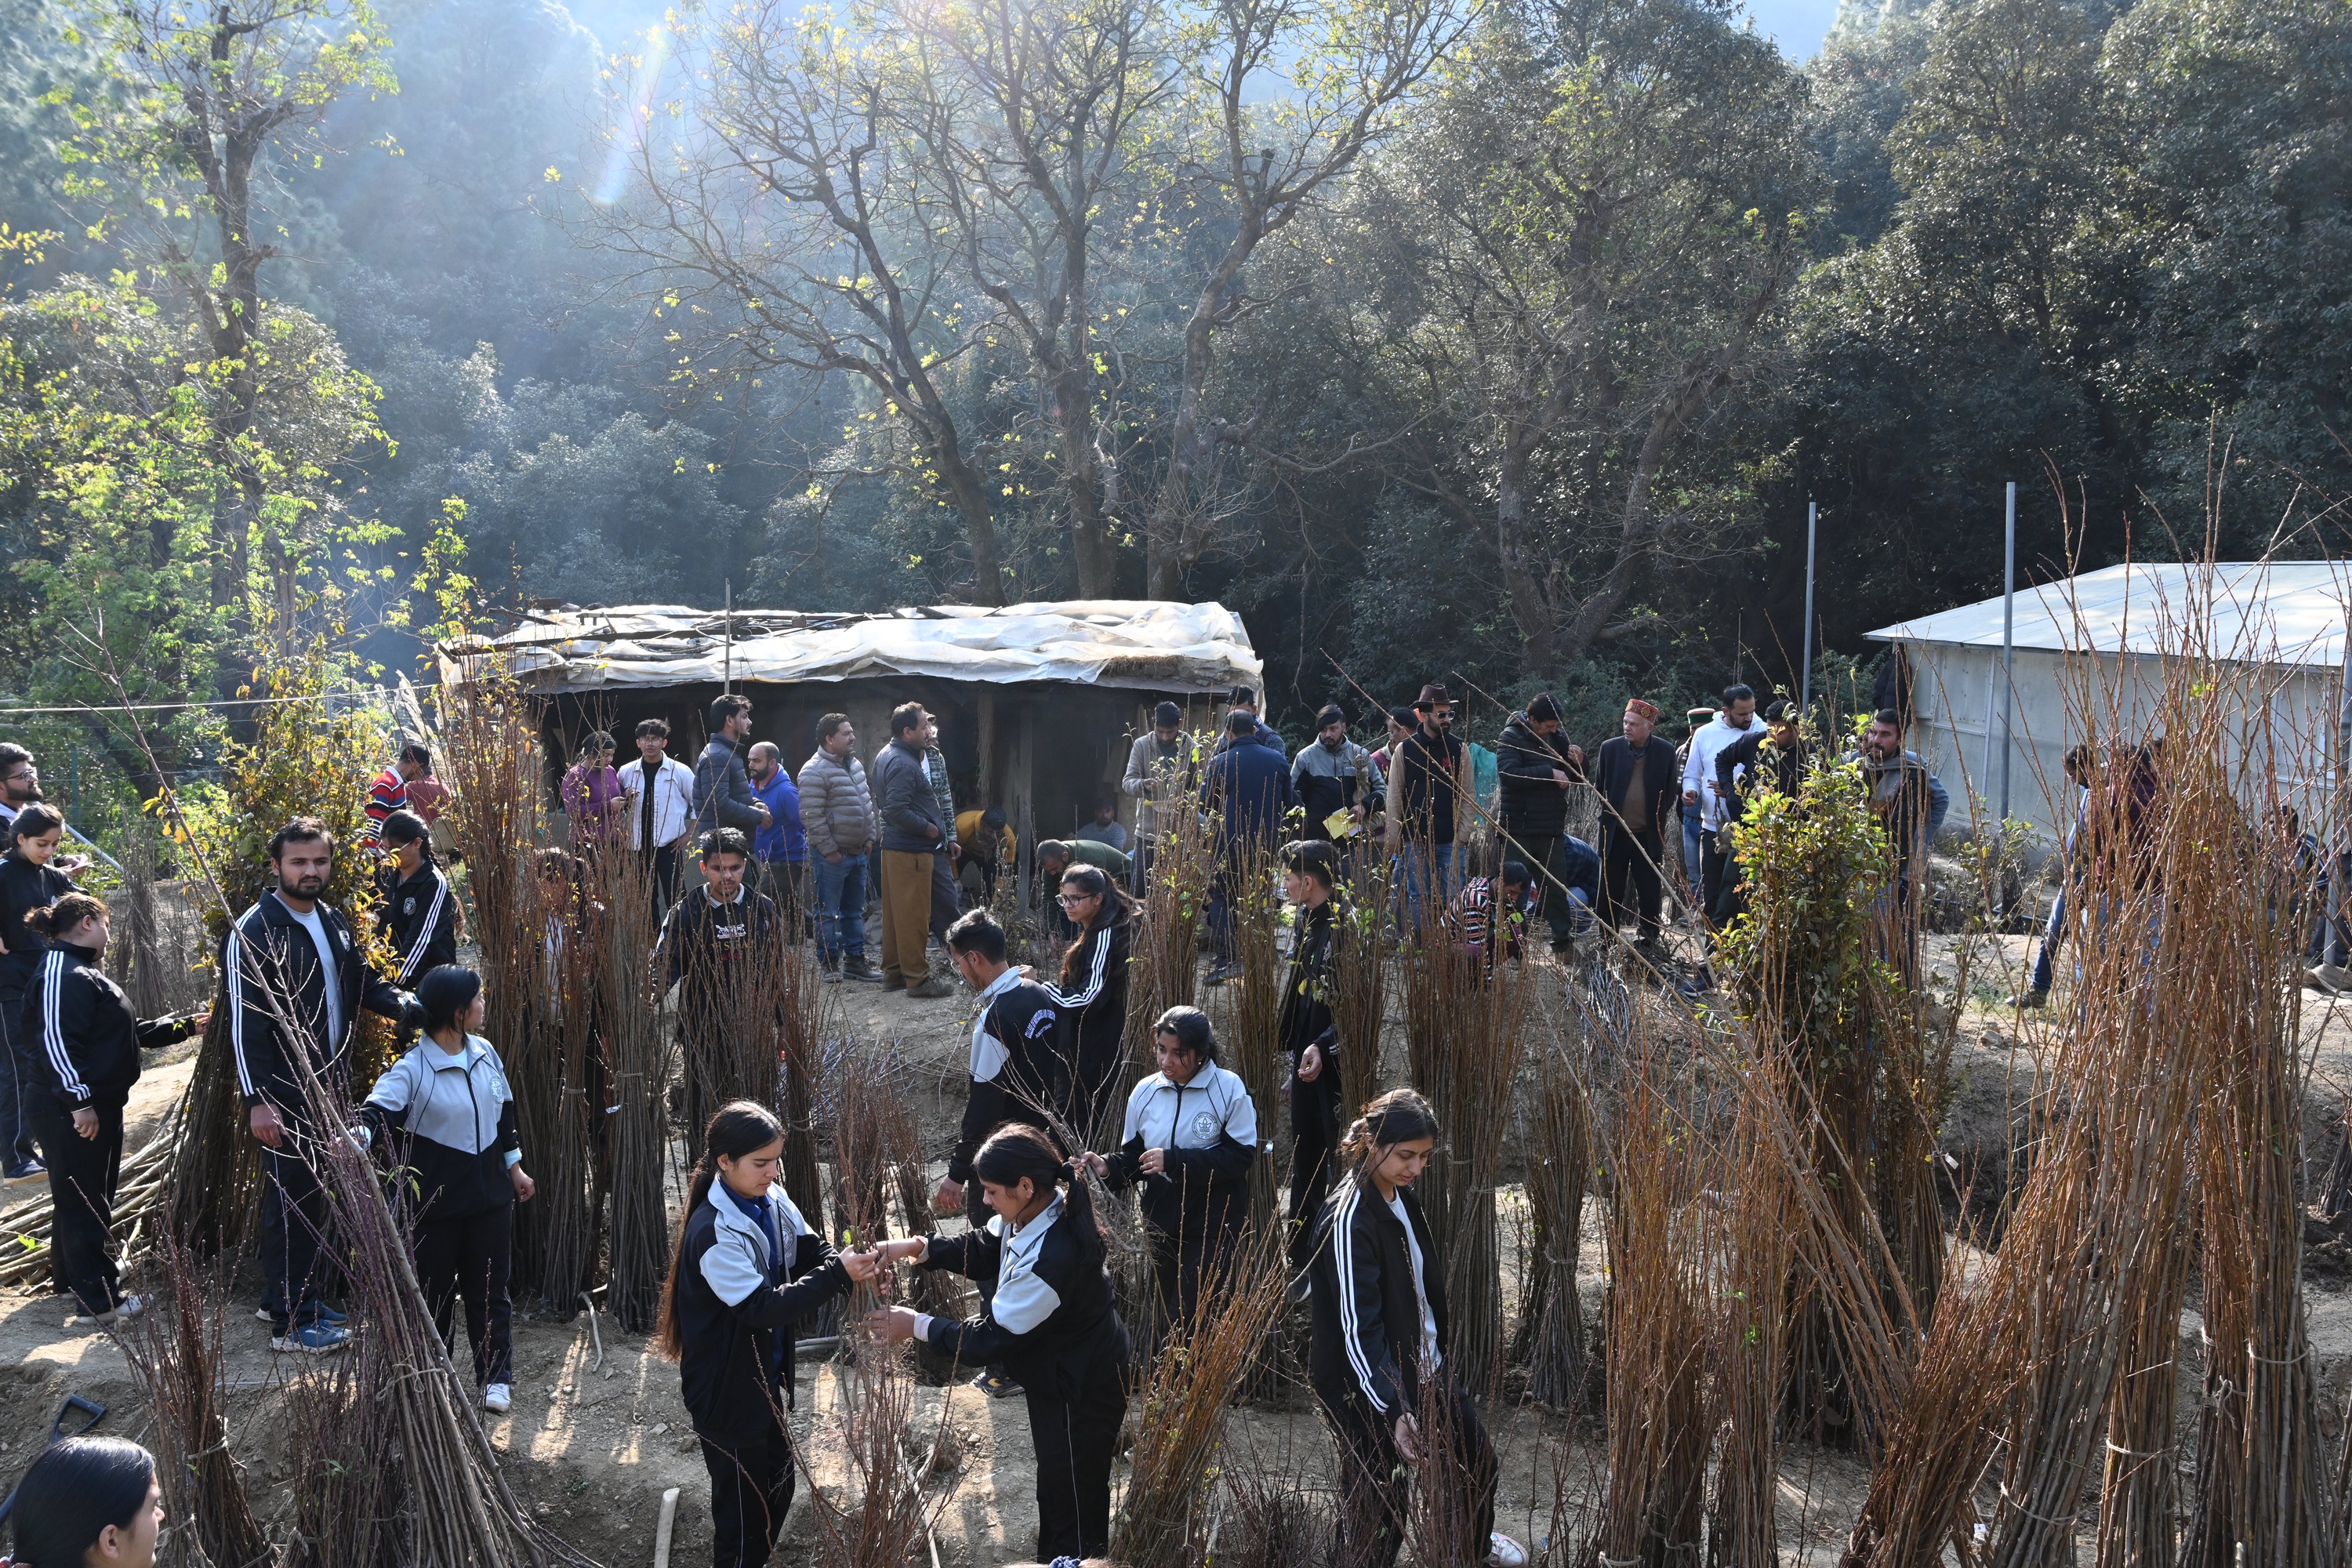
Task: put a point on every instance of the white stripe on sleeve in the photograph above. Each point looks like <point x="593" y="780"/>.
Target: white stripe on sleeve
<point x="53" y="1036"/>
<point x="1343" y="1255"/>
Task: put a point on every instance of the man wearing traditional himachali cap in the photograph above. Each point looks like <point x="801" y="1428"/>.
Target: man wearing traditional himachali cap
<point x="1639" y="786"/>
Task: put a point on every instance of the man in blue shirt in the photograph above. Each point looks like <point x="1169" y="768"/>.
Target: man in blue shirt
<point x="780" y="847"/>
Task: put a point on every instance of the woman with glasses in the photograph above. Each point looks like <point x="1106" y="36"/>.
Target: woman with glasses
<point x="1090" y="998"/>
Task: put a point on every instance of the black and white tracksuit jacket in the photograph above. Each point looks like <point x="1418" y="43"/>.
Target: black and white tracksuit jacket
<point x="448" y="1125"/>
<point x="77" y="1037"/>
<point x="1017" y="1072"/>
<point x="737" y="1304"/>
<point x="420" y="915"/>
<point x="277" y="991"/>
<point x="1371" y="1345"/>
<point x="1051" y="1315"/>
<point x="1209" y="1127"/>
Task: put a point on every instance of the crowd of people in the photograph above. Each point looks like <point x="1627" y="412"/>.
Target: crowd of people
<point x="785" y="859"/>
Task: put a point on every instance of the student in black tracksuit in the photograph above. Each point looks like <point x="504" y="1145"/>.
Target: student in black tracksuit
<point x="1379" y="1333"/>
<point x="1091" y="994"/>
<point x="1018" y="1074"/>
<point x="445" y="1115"/>
<point x="1051" y="1321"/>
<point x="1308" y="1032"/>
<point x="77" y="1046"/>
<point x="748" y="1270"/>
<point x="1191" y="1135"/>
<point x="29" y="880"/>
<point x="420" y="911"/>
<point x="295" y="981"/>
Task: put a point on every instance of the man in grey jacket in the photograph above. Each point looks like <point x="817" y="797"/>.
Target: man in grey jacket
<point x="838" y="812"/>
<point x="913" y="839"/>
<point x="723" y="795"/>
<point x="1160" y="776"/>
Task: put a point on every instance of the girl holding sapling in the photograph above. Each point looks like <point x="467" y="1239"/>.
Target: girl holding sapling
<point x="748" y="1270"/>
<point x="1050" y="1322"/>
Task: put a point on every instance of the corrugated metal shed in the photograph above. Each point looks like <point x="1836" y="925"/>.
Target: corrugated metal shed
<point x="1141" y="644"/>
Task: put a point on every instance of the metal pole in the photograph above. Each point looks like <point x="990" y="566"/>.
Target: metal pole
<point x="2008" y="645"/>
<point x="1805" y="676"/>
<point x="726" y="680"/>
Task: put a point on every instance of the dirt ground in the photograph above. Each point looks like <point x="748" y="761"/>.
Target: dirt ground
<point x="591" y="1447"/>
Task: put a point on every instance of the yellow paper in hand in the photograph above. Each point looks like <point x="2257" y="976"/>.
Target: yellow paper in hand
<point x="1340" y="825"/>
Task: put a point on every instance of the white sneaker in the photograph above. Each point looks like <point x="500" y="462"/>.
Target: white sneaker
<point x="498" y="1399"/>
<point x="1502" y="1551"/>
<point x="2331" y="978"/>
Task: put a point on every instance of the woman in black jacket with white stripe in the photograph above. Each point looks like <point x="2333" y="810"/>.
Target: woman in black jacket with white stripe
<point x="1050" y="1321"/>
<point x="420" y="909"/>
<point x="78" y="1042"/>
<point x="446" y="1117"/>
<point x="1192" y="1132"/>
<point x="1378" y="1283"/>
<point x="1091" y="994"/>
<point x="748" y="1270"/>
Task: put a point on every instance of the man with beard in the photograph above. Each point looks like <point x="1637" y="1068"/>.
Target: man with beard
<point x="1333" y="775"/>
<point x="20" y="786"/>
<point x="719" y="946"/>
<point x="1538" y="768"/>
<point x="1909" y="803"/>
<point x="294" y="982"/>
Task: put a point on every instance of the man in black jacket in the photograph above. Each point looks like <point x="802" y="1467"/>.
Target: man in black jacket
<point x="723" y="795"/>
<point x="1639" y="784"/>
<point x="295" y="981"/>
<point x="1537" y="768"/>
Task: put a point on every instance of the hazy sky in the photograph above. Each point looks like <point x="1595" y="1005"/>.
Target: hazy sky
<point x="1796" y="25"/>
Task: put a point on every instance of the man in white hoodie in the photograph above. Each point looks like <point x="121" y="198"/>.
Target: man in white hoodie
<point x="1731" y="723"/>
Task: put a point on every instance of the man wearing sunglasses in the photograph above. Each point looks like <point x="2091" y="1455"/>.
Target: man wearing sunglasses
<point x="1429" y="783"/>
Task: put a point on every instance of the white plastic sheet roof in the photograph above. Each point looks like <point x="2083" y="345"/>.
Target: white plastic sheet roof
<point x="2274" y="612"/>
<point x="1145" y="644"/>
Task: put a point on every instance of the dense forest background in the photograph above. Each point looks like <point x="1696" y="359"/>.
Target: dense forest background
<point x="1505" y="341"/>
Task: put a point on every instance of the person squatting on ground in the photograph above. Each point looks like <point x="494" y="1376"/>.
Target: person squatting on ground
<point x="30" y="879"/>
<point x="1191" y="1134"/>
<point x="77" y="1057"/>
<point x="294" y="984"/>
<point x="747" y="1272"/>
<point x="1019" y="1074"/>
<point x="914" y="844"/>
<point x="659" y="808"/>
<point x="1636" y="776"/>
<point x="1050" y="1322"/>
<point x="1484" y="921"/>
<point x="1378" y="1291"/>
<point x="444" y="1117"/>
<point x="1090" y="994"/>
<point x="87" y="1502"/>
<point x="990" y="848"/>
<point x="1536" y="768"/>
<point x="837" y="813"/>
<point x="1247" y="785"/>
<point x="1308" y="1032"/>
<point x="420" y="911"/>
<point x="711" y="944"/>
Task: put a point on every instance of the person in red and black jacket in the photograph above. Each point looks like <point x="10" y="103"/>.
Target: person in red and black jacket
<point x="748" y="1270"/>
<point x="78" y="1043"/>
<point x="294" y="981"/>
<point x="1640" y="786"/>
<point x="1050" y="1320"/>
<point x="1378" y="1365"/>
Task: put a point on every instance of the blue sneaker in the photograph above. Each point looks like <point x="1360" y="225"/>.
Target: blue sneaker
<point x="29" y="1170"/>
<point x="312" y="1338"/>
<point x="326" y="1314"/>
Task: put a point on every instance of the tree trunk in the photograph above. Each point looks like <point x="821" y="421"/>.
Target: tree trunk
<point x="970" y="492"/>
<point x="1531" y="607"/>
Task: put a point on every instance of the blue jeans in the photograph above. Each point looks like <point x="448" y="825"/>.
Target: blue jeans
<point x="1694" y="852"/>
<point x="841" y="907"/>
<point x="1428" y="874"/>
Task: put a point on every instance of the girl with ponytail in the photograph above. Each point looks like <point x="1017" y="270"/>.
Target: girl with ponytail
<point x="747" y="1271"/>
<point x="1050" y="1322"/>
<point x="1377" y="1280"/>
